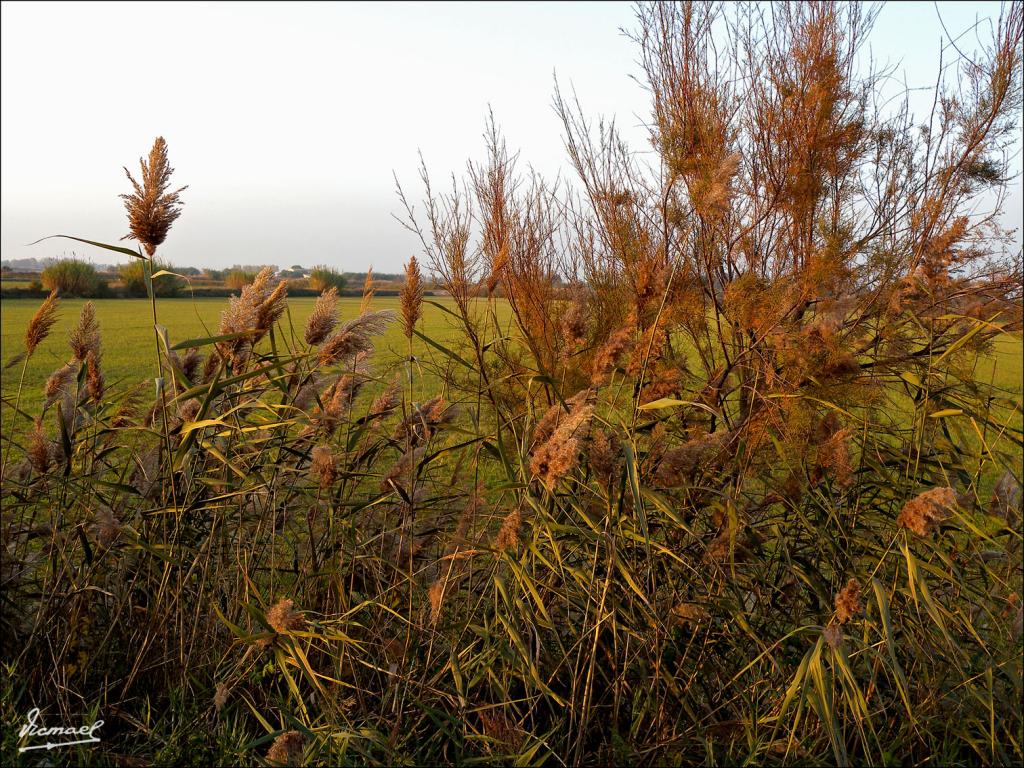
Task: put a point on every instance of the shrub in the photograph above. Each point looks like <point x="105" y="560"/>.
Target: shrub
<point x="133" y="276"/>
<point x="321" y="278"/>
<point x="72" y="277"/>
<point x="237" y="279"/>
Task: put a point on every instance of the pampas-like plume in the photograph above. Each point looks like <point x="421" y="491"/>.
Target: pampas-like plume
<point x="94" y="385"/>
<point x="557" y="457"/>
<point x="41" y="323"/>
<point x="508" y="536"/>
<point x="354" y="337"/>
<point x="608" y="355"/>
<point x="151" y="208"/>
<point x="556" y="414"/>
<point x="283" y="617"/>
<point x="256" y="309"/>
<point x="220" y="696"/>
<point x="85" y="337"/>
<point x="58" y="385"/>
<point x="364" y="305"/>
<point x="411" y="297"/>
<point x="323" y="318"/>
<point x="848" y="601"/>
<point x="270" y="309"/>
<point x="424" y="420"/>
<point x="323" y="466"/>
<point x="604" y="454"/>
<point x="286" y="749"/>
<point x="388" y="400"/>
<point x="106" y="527"/>
<point x="927" y="510"/>
<point x="40" y="451"/>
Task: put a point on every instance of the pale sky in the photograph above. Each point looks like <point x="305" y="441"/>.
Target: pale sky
<point x="287" y="121"/>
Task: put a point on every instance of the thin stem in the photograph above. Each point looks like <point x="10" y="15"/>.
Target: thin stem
<point x="14" y="418"/>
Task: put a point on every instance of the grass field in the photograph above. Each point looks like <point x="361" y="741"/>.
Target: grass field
<point x="128" y="338"/>
<point x="126" y="328"/>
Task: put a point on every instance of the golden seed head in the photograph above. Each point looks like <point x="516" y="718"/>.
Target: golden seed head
<point x="411" y="296"/>
<point x="508" y="536"/>
<point x="94" y="385"/>
<point x="927" y="510"/>
<point x="220" y="696"/>
<point x="354" y="337"/>
<point x="323" y="318"/>
<point x="558" y="456"/>
<point x="85" y="337"/>
<point x="323" y="465"/>
<point x="106" y="527"/>
<point x="59" y="384"/>
<point x="151" y="208"/>
<point x="286" y="749"/>
<point x="848" y="601"/>
<point x="283" y="618"/>
<point x="368" y="291"/>
<point x="41" y="323"/>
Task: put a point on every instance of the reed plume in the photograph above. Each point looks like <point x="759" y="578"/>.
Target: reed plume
<point x="558" y="456"/>
<point x="608" y="355"/>
<point x="925" y="512"/>
<point x="151" y="208"/>
<point x="94" y="384"/>
<point x="283" y="617"/>
<point x="508" y="535"/>
<point x="368" y="291"/>
<point x="411" y="297"/>
<point x="40" y="451"/>
<point x="323" y="318"/>
<point x="85" y="337"/>
<point x="58" y="385"/>
<point x="287" y="749"/>
<point x="106" y="526"/>
<point x="354" y="337"/>
<point x="848" y="601"/>
<point x="323" y="465"/>
<point x="220" y="696"/>
<point x="42" y="322"/>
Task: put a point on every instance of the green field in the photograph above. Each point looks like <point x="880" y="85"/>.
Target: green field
<point x="128" y="338"/>
<point x="128" y="344"/>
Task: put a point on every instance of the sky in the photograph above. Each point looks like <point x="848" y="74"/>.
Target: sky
<point x="289" y="122"/>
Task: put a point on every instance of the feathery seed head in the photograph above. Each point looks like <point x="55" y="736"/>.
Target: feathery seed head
<point x="284" y="618"/>
<point x="848" y="601"/>
<point x="927" y="510"/>
<point x="508" y="536"/>
<point x="106" y="527"/>
<point x="85" y="337"/>
<point x="323" y="318"/>
<point x="411" y="297"/>
<point x="354" y="337"/>
<point x="323" y="465"/>
<point x="220" y="696"/>
<point x="59" y="384"/>
<point x="286" y="749"/>
<point x="364" y="305"/>
<point x="151" y="208"/>
<point x="41" y="323"/>
<point x="94" y="384"/>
